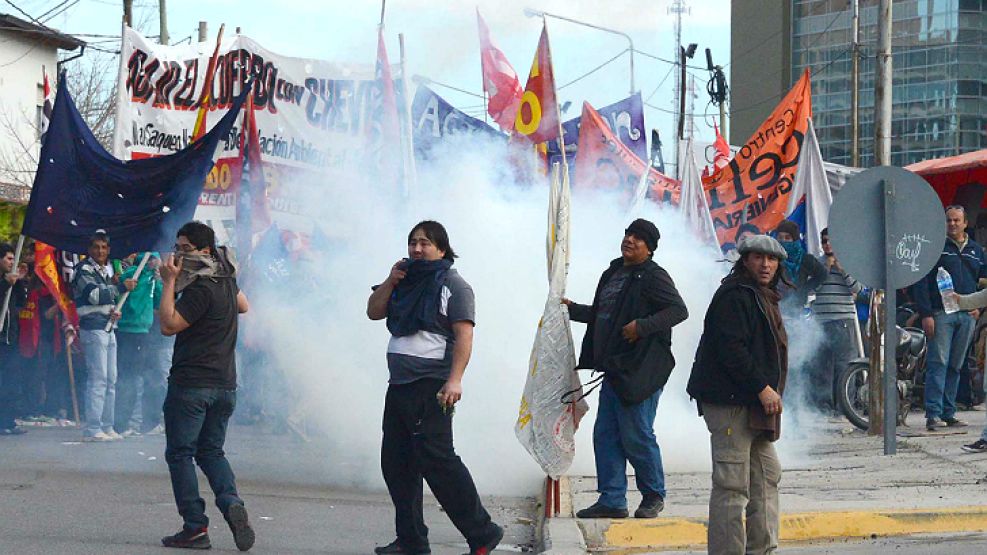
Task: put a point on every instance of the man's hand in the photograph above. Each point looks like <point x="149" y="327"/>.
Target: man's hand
<point x="129" y="284"/>
<point x="770" y="400"/>
<point x="10" y="278"/>
<point x="630" y="332"/>
<point x="115" y="316"/>
<point x="975" y="313"/>
<point x="51" y="312"/>
<point x="929" y="326"/>
<point x="450" y="394"/>
<point x="171" y="268"/>
<point x="830" y="261"/>
<point x="566" y="301"/>
<point x="397" y="273"/>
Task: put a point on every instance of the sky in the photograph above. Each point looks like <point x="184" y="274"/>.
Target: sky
<point x="441" y="40"/>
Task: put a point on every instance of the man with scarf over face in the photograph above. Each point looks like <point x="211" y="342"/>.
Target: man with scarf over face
<point x="430" y="314"/>
<point x="803" y="270"/>
<point x="738" y="379"/>
<point x="629" y="339"/>
<point x="202" y="383"/>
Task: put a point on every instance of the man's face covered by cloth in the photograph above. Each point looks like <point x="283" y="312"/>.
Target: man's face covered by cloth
<point x="420" y="247"/>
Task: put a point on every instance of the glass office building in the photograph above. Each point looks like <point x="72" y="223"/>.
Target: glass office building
<point x="939" y="76"/>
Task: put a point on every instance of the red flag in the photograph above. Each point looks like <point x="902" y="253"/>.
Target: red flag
<point x="604" y="162"/>
<point x="46" y="109"/>
<point x="537" y="115"/>
<point x="500" y="81"/>
<point x="253" y="215"/>
<point x="205" y="98"/>
<point x="384" y="130"/>
<point x="47" y="270"/>
<point x="722" y="156"/>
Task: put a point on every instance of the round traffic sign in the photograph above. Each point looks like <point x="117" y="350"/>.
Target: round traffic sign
<point x="915" y="219"/>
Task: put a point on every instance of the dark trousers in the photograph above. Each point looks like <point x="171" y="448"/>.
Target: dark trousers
<point x="195" y="428"/>
<point x="837" y="348"/>
<point x="418" y="444"/>
<point x="10" y="385"/>
<point x="131" y="365"/>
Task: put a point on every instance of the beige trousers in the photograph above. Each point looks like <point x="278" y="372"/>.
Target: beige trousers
<point x="746" y="473"/>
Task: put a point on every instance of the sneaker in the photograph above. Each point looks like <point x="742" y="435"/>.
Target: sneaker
<point x="954" y="422"/>
<point x="651" y="505"/>
<point x="113" y="435"/>
<point x="188" y="539"/>
<point x="395" y="548"/>
<point x="15" y="431"/>
<point x="596" y="510"/>
<point x="979" y="446"/>
<point x="130" y="432"/>
<point x="490" y="545"/>
<point x="156" y="431"/>
<point x="243" y="534"/>
<point x="98" y="437"/>
<point x="933" y="424"/>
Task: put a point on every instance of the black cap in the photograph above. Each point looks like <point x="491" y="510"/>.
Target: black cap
<point x="646" y="231"/>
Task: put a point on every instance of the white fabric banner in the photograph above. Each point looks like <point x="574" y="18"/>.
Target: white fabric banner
<point x="546" y="426"/>
<point x="812" y="184"/>
<point x="693" y="202"/>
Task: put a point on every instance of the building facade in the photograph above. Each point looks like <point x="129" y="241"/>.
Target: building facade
<point x="939" y="72"/>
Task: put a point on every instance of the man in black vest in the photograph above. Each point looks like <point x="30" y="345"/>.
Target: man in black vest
<point x="629" y="339"/>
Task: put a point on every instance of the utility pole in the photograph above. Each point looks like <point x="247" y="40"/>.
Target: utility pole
<point x="163" y="22"/>
<point x="677" y="8"/>
<point x="684" y="55"/>
<point x="203" y="31"/>
<point x="882" y="88"/>
<point x="855" y="88"/>
<point x="717" y="90"/>
<point x="128" y="13"/>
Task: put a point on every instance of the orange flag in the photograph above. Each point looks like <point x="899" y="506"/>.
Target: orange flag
<point x="47" y="270"/>
<point x="603" y="162"/>
<point x="538" y="114"/>
<point x="205" y="98"/>
<point x="758" y="180"/>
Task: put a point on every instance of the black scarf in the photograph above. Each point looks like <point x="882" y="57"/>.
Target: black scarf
<point x="414" y="304"/>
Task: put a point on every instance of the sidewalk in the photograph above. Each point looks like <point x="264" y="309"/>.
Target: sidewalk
<point x="840" y="486"/>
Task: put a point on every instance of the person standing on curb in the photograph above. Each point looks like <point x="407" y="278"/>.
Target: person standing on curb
<point x="429" y="309"/>
<point x="202" y="385"/>
<point x="737" y="379"/>
<point x="974" y="301"/>
<point x="629" y="340"/>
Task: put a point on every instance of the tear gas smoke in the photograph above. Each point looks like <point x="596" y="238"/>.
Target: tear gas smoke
<point x="332" y="358"/>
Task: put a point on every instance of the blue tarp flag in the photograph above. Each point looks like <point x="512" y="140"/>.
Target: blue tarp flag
<point x="625" y="118"/>
<point x="435" y="120"/>
<point x="81" y="188"/>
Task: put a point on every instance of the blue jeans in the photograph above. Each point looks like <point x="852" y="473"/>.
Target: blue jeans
<point x="101" y="364"/>
<point x="195" y="428"/>
<point x="625" y="434"/>
<point x="947" y="354"/>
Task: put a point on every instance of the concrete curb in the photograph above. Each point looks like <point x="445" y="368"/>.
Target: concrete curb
<point x="561" y="535"/>
<point x="678" y="533"/>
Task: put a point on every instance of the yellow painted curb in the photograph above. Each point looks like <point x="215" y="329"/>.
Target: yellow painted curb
<point x="683" y="532"/>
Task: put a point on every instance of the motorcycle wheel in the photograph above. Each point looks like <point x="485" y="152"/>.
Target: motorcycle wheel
<point x="854" y="396"/>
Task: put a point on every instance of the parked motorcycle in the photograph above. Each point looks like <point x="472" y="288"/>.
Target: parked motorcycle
<point x="853" y="393"/>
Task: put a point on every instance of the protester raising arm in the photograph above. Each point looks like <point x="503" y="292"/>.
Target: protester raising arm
<point x="171" y="321"/>
<point x="377" y="304"/>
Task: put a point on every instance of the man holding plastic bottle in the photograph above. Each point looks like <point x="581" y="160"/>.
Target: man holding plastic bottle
<point x="960" y="267"/>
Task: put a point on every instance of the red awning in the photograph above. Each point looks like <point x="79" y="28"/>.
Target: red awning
<point x="948" y="175"/>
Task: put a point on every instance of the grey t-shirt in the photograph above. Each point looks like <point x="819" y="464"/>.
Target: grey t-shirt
<point x="429" y="354"/>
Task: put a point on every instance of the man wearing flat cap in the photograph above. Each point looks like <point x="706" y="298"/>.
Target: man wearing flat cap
<point x="629" y="340"/>
<point x="737" y="379"/>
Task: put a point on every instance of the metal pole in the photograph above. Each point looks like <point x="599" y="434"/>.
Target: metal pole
<point x="128" y="12"/>
<point x="203" y="31"/>
<point x="723" y="110"/>
<point x="163" y="22"/>
<point x="890" y="326"/>
<point x="882" y="87"/>
<point x="875" y="400"/>
<point x="681" y="96"/>
<point x="855" y="89"/>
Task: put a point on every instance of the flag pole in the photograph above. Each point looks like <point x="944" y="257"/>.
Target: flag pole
<point x="123" y="298"/>
<point x="75" y="398"/>
<point x="6" y="297"/>
<point x="410" y="167"/>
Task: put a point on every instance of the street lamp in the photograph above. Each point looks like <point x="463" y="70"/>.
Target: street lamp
<point x="528" y="12"/>
<point x="684" y="54"/>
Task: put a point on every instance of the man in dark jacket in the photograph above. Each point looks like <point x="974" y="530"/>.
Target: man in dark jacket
<point x="738" y="378"/>
<point x="629" y="339"/>
<point x="9" y="359"/>
<point x="802" y="269"/>
<point x="949" y="334"/>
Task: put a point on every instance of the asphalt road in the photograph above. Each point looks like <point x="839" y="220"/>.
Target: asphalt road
<point x="60" y="496"/>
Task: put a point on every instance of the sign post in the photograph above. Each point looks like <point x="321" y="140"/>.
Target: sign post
<point x="888" y="228"/>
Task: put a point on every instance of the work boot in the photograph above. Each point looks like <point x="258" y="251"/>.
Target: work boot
<point x="933" y="424"/>
<point x="243" y="533"/>
<point x="189" y="539"/>
<point x="395" y="548"/>
<point x="953" y="422"/>
<point x="651" y="505"/>
<point x="597" y="510"/>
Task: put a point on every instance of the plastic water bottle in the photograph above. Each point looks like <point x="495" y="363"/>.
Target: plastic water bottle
<point x="945" y="283"/>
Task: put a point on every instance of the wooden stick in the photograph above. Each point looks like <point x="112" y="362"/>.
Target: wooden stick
<point x="75" y="398"/>
<point x="123" y="298"/>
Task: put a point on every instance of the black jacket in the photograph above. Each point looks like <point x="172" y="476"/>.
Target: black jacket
<point x="738" y="353"/>
<point x="9" y="330"/>
<point x="812" y="274"/>
<point x="635" y="370"/>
